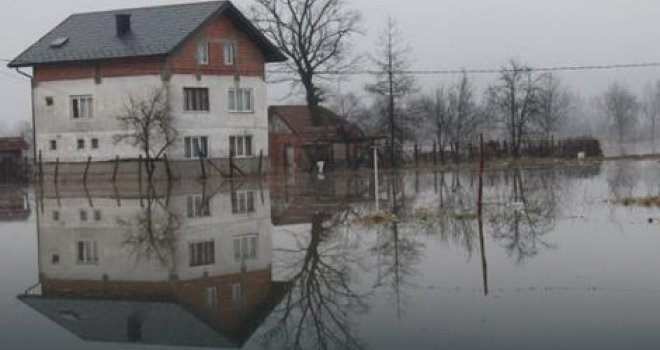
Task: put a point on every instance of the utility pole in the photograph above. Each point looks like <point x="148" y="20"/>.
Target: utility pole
<point x="390" y="72"/>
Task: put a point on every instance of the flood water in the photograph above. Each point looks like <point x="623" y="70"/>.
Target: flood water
<point x="299" y="262"/>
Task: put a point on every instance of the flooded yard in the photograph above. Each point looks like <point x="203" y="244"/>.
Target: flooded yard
<point x="560" y="260"/>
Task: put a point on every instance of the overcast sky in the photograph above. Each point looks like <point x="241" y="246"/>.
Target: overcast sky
<point x="444" y="34"/>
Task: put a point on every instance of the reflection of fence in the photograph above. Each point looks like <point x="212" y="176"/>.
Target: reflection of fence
<point x="13" y="170"/>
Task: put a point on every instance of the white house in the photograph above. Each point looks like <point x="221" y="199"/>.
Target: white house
<point x="208" y="56"/>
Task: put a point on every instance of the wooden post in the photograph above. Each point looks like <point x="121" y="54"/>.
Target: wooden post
<point x="89" y="162"/>
<point x="167" y="167"/>
<point x="231" y="165"/>
<point x="261" y="161"/>
<point x="114" y="172"/>
<point x="416" y="155"/>
<point x="26" y="169"/>
<point x="57" y="169"/>
<point x="376" y="179"/>
<point x="435" y="154"/>
<point x="203" y="167"/>
<point x="140" y="179"/>
<point x="481" y="177"/>
<point x="41" y="168"/>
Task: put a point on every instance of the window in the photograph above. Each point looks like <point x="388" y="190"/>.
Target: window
<point x="81" y="106"/>
<point x="198" y="207"/>
<point x="53" y="145"/>
<point x="230" y="53"/>
<point x="246" y="248"/>
<point x="97" y="215"/>
<point x="81" y="144"/>
<point x="88" y="253"/>
<point x="202" y="253"/>
<point x="195" y="146"/>
<point x="242" y="202"/>
<point x="237" y="295"/>
<point x="240" y="100"/>
<point x="95" y="143"/>
<point x="240" y="146"/>
<point x="56" y="215"/>
<point x="196" y="99"/>
<point x="83" y="215"/>
<point x="49" y="101"/>
<point x="203" y="52"/>
<point x="212" y="297"/>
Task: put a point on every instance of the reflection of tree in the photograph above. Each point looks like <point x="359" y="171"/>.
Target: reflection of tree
<point x="527" y="216"/>
<point x="152" y="233"/>
<point x="622" y="178"/>
<point x="316" y="311"/>
<point x="397" y="249"/>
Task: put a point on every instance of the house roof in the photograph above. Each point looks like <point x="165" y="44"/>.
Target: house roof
<point x="157" y="322"/>
<point x="155" y="31"/>
<point x="315" y="124"/>
<point x="13" y="144"/>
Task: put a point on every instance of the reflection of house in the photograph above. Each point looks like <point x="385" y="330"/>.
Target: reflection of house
<point x="12" y="149"/>
<point x="194" y="269"/>
<point x="14" y="205"/>
<point x="208" y="54"/>
<point x="299" y="202"/>
<point x="300" y="134"/>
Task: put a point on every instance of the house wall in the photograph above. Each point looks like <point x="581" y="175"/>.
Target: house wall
<point x="118" y="261"/>
<point x="112" y="82"/>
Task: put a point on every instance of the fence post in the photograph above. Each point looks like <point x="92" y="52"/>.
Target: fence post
<point x="201" y="163"/>
<point x="416" y="155"/>
<point x="140" y="179"/>
<point x="435" y="154"/>
<point x="57" y="168"/>
<point x="41" y="168"/>
<point x="167" y="167"/>
<point x="114" y="172"/>
<point x="89" y="162"/>
<point x="231" y="165"/>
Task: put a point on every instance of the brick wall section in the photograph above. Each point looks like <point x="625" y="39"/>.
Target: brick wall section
<point x="249" y="60"/>
<point x="256" y="286"/>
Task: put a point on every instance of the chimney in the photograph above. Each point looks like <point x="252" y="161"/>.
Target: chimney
<point x="123" y="24"/>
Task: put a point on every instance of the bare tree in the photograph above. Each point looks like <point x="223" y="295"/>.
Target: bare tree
<point x="555" y="104"/>
<point x="651" y="107"/>
<point x="514" y="100"/>
<point x="465" y="118"/>
<point x="148" y="124"/>
<point x="434" y="110"/>
<point x="392" y="81"/>
<point x="621" y="107"/>
<point x="313" y="34"/>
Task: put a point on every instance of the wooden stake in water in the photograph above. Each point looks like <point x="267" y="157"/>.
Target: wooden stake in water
<point x="376" y="184"/>
<point x="481" y="177"/>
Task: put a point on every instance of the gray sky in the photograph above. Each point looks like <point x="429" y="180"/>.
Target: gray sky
<point x="444" y="34"/>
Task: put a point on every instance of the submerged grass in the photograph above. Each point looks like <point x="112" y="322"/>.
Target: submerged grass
<point x="647" y="202"/>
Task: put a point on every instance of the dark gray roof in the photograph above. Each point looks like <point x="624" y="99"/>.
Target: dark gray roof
<point x="155" y="31"/>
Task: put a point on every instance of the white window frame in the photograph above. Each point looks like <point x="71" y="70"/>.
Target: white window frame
<point x="238" y="146"/>
<point x="196" y="100"/>
<point x="198" y="206"/>
<point x="240" y="100"/>
<point x="202" y="53"/>
<point x="229" y="52"/>
<point x="81" y="106"/>
<point x="246" y="248"/>
<point x="201" y="257"/>
<point x="190" y="150"/>
<point x="237" y="299"/>
<point x="211" y="297"/>
<point x="87" y="252"/>
<point x="243" y="202"/>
